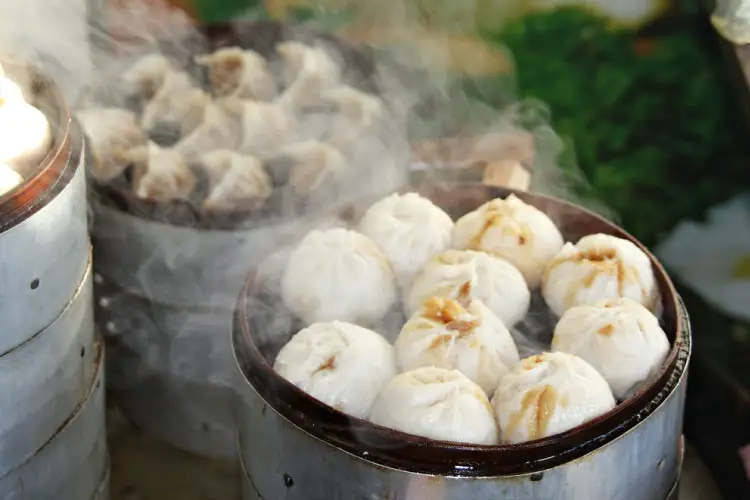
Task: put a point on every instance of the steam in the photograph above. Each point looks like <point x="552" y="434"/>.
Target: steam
<point x="84" y="46"/>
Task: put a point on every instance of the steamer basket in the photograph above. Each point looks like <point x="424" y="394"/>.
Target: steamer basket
<point x="168" y="276"/>
<point x="44" y="247"/>
<point x="294" y="447"/>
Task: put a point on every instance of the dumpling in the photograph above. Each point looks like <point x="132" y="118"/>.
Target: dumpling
<point x="437" y="404"/>
<point x="235" y="72"/>
<point x="343" y="365"/>
<point x="218" y="130"/>
<point x="309" y="72"/>
<point x="409" y="229"/>
<point x="146" y="76"/>
<point x="356" y="113"/>
<point x="516" y="231"/>
<point x="464" y="274"/>
<point x="26" y="136"/>
<point x="469" y="338"/>
<point x="161" y="174"/>
<point x="315" y="164"/>
<point x="244" y="184"/>
<point x="9" y="179"/>
<point x="547" y="394"/>
<point x="620" y="338"/>
<point x="266" y="128"/>
<point x="599" y="267"/>
<point x="337" y="274"/>
<point x="110" y="132"/>
<point x="177" y="109"/>
<point x="304" y="61"/>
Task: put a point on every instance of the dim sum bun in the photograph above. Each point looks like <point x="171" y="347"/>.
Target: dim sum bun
<point x="620" y="338"/>
<point x="244" y="185"/>
<point x="234" y="72"/>
<point x="409" y="229"/>
<point x="9" y="179"/>
<point x="337" y="274"/>
<point x="343" y="365"/>
<point x="26" y="135"/>
<point x="547" y="394"/>
<point x="599" y="267"/>
<point x="9" y="90"/>
<point x="110" y="132"/>
<point x="516" y="231"/>
<point x="469" y="338"/>
<point x="464" y="274"/>
<point x="437" y="404"/>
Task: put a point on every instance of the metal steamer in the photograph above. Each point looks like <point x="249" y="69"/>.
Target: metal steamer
<point x="167" y="280"/>
<point x="293" y="447"/>
<point x="52" y="440"/>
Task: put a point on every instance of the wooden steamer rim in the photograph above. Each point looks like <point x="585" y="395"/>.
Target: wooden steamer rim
<point x="401" y="451"/>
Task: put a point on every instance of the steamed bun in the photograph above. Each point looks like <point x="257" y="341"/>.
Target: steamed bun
<point x="465" y="274"/>
<point x="547" y="394"/>
<point x="471" y="339"/>
<point x="338" y="274"/>
<point x="409" y="229"/>
<point x="9" y="179"/>
<point x="437" y="404"/>
<point x="340" y="364"/>
<point x="516" y="231"/>
<point x="599" y="267"/>
<point x="620" y="338"/>
<point x="26" y="135"/>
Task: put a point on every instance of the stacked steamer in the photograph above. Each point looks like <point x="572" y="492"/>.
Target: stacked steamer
<point x="541" y="353"/>
<point x="52" y="436"/>
<point x="205" y="159"/>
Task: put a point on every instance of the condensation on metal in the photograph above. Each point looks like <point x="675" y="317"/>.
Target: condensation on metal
<point x="42" y="260"/>
<point x="284" y="462"/>
<point x="73" y="462"/>
<point x="195" y="417"/>
<point x="45" y="379"/>
<point x="180" y="266"/>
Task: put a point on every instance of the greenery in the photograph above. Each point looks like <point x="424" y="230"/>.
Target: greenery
<point x="655" y="126"/>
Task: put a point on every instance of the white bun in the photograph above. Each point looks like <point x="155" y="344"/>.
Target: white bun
<point x="340" y="364"/>
<point x="437" y="404"/>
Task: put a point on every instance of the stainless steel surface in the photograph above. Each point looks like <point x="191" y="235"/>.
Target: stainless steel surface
<point x="44" y="379"/>
<point x="180" y="266"/>
<point x="72" y="463"/>
<point x="42" y="260"/>
<point x="103" y="492"/>
<point x="198" y="418"/>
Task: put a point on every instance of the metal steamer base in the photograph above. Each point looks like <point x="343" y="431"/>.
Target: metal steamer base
<point x="294" y="448"/>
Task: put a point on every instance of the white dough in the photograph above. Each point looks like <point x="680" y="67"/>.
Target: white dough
<point x="409" y="229"/>
<point x="26" y="135"/>
<point x="161" y="174"/>
<point x="437" y="404"/>
<point x="316" y="163"/>
<point x="9" y="179"/>
<point x="599" y="267"/>
<point x="470" y="339"/>
<point x="308" y="72"/>
<point x="620" y="338"/>
<point x="218" y="130"/>
<point x="513" y="230"/>
<point x="9" y="90"/>
<point x="547" y="394"/>
<point x="465" y="274"/>
<point x="235" y="72"/>
<point x="147" y="75"/>
<point x="110" y="132"/>
<point x="266" y="128"/>
<point x="343" y="365"/>
<point x="243" y="185"/>
<point x="338" y="274"/>
<point x="178" y="103"/>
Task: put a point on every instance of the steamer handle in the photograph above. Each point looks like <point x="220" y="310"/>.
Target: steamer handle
<point x="507" y="174"/>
